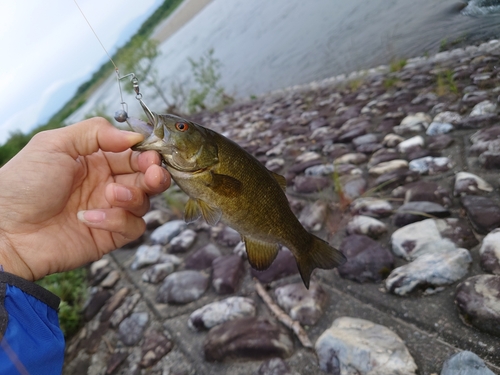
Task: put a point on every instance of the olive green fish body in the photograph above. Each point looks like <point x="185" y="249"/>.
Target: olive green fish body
<point x="226" y="183"/>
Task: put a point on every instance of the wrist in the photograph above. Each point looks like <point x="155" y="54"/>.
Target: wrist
<point x="11" y="262"/>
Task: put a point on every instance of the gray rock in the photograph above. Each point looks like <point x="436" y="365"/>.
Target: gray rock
<point x="146" y="255"/>
<point x="320" y="170"/>
<point x="483" y="108"/>
<point x="384" y="155"/>
<point x="367" y="260"/>
<point x="310" y="184"/>
<point x="413" y="123"/>
<point x="155" y="218"/>
<point x="275" y="366"/>
<point x="478" y="302"/>
<point x="115" y="360"/>
<point x="392" y="140"/>
<point x="439" y="142"/>
<point x="468" y="183"/>
<point x="430" y="270"/>
<point x="373" y="207"/>
<point x="490" y="159"/>
<point x="203" y="257"/>
<point x="182" y="242"/>
<point x="388" y="166"/>
<point x="490" y="252"/>
<point x="275" y="164"/>
<point x="411" y="144"/>
<point x="366" y="225"/>
<point x="303" y="305"/>
<point x="436" y="128"/>
<point x="351" y="158"/>
<point x="284" y="265"/>
<point x="164" y="234"/>
<point x="465" y="363"/>
<point x="448" y="117"/>
<point x="183" y="287"/>
<point x="483" y="213"/>
<point x="431" y="165"/>
<point x="227" y="273"/>
<point x="353" y="186"/>
<point x="218" y="312"/>
<point x="131" y="329"/>
<point x="418" y="210"/>
<point x="113" y="303"/>
<point x="313" y="215"/>
<point x="228" y="237"/>
<point x="158" y="272"/>
<point x="247" y="338"/>
<point x="428" y="191"/>
<point x="95" y="303"/>
<point x="415" y="239"/>
<point x="154" y="348"/>
<point x="358" y="346"/>
<point x="125" y="309"/>
<point x="111" y="279"/>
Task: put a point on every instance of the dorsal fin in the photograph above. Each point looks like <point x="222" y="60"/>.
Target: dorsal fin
<point x="281" y="180"/>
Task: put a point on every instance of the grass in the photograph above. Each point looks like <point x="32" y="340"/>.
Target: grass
<point x="71" y="287"/>
<point x="397" y="65"/>
<point x="445" y="83"/>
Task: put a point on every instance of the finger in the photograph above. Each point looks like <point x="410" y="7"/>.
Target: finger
<point x="131" y="161"/>
<point x="154" y="181"/>
<point x="131" y="198"/>
<point x="124" y="225"/>
<point x="88" y="136"/>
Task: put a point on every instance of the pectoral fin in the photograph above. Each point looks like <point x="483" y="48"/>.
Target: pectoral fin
<point x="192" y="211"/>
<point x="211" y="214"/>
<point x="225" y="185"/>
<point x="281" y="180"/>
<point x="260" y="254"/>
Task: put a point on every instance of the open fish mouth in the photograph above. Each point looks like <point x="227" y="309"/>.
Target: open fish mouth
<point x="155" y="134"/>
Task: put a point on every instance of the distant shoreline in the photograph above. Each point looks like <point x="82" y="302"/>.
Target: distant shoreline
<point x="183" y="14"/>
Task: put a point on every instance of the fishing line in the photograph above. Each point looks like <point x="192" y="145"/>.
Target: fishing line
<point x="120" y="116"/>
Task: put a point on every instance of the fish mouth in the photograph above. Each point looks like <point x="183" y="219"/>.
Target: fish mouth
<point x="155" y="134"/>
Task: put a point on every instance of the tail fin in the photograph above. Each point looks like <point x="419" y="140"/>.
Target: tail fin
<point x="319" y="255"/>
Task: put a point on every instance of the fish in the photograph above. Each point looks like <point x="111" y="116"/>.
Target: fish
<point x="227" y="184"/>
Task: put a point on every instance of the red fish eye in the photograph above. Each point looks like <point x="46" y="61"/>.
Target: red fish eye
<point x="181" y="126"/>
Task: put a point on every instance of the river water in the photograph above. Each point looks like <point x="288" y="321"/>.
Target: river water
<point x="270" y="44"/>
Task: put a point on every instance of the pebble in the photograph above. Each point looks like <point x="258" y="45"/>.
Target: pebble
<point x="125" y="309"/>
<point x="275" y="366"/>
<point x="310" y="184"/>
<point x="183" y="287"/>
<point x="227" y="273"/>
<point x="469" y="183"/>
<point x="413" y="123"/>
<point x="418" y="210"/>
<point x="303" y="305"/>
<point x="351" y="158"/>
<point x="367" y="260"/>
<point x="436" y="128"/>
<point x="431" y="270"/>
<point x="478" y="302"/>
<point x="388" y="167"/>
<point x="392" y="140"/>
<point x="320" y="170"/>
<point x="154" y="348"/>
<point x="366" y="225"/>
<point x="490" y="252"/>
<point x="182" y="242"/>
<point x="370" y="206"/>
<point x="465" y="363"/>
<point x="358" y="346"/>
<point x="284" y="265"/>
<point x="483" y="108"/>
<point x="453" y="118"/>
<point x="158" y="272"/>
<point x="431" y="165"/>
<point x="411" y="144"/>
<point x="228" y="237"/>
<point x="247" y="338"/>
<point x="94" y="305"/>
<point x="131" y="329"/>
<point x="202" y="258"/>
<point x="218" y="312"/>
<point x="166" y="232"/>
<point x="156" y="218"/>
<point x="146" y="255"/>
<point x="111" y="279"/>
<point x="384" y="155"/>
<point x="483" y="213"/>
<point x="113" y="303"/>
<point x="313" y="215"/>
<point x="423" y="191"/>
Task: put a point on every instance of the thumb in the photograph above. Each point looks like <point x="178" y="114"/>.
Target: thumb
<point x="89" y="136"/>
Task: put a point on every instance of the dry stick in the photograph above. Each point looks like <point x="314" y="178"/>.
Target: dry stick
<point x="282" y="316"/>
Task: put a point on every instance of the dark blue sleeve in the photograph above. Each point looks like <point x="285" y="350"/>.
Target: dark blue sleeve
<point x="31" y="339"/>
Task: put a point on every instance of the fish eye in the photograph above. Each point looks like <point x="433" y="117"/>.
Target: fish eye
<point x="181" y="126"/>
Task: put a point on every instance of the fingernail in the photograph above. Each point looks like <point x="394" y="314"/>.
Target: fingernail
<point x="133" y="136"/>
<point x="164" y="177"/>
<point x="91" y="216"/>
<point x="122" y="194"/>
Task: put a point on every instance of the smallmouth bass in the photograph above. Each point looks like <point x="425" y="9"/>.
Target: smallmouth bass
<point x="225" y="183"/>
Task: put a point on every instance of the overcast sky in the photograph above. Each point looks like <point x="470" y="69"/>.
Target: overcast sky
<point x="47" y="50"/>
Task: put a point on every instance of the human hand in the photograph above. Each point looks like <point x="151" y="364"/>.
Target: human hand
<point x="72" y="195"/>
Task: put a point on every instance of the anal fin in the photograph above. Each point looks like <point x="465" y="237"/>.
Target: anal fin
<point x="260" y="254"/>
<point x="192" y="211"/>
